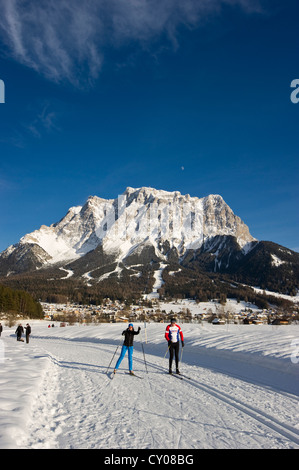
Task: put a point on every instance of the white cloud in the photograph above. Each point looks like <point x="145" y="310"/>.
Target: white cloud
<point x="45" y="121"/>
<point x="65" y="40"/>
<point x="57" y="39"/>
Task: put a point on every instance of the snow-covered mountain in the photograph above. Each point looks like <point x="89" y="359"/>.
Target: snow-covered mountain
<point x="144" y="232"/>
<point x="136" y="220"/>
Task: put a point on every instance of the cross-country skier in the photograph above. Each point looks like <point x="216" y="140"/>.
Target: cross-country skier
<point x="129" y="334"/>
<point x="173" y="334"/>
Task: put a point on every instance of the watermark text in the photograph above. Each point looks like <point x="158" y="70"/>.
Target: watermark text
<point x="295" y="94"/>
<point x="295" y="352"/>
<point x="155" y="219"/>
<point x="2" y="351"/>
<point x="2" y="91"/>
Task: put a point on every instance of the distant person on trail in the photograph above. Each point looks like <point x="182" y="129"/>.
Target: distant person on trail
<point x="129" y="334"/>
<point x="28" y="332"/>
<point x="172" y="334"/>
<point x="19" y="332"/>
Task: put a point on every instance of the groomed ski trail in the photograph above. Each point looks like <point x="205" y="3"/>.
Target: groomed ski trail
<point x="79" y="406"/>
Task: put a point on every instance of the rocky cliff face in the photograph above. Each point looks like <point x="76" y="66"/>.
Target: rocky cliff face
<point x="146" y="234"/>
<point x="219" y="219"/>
<point x="140" y="220"/>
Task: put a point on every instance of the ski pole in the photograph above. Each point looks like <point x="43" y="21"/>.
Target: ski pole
<point x="166" y="352"/>
<point x="144" y="358"/>
<point x="113" y="355"/>
<point x="143" y="355"/>
<point x="181" y="354"/>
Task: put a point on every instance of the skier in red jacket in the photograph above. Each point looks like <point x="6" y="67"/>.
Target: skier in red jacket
<point x="172" y="334"/>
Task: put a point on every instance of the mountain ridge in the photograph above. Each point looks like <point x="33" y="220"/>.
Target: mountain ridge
<point x="128" y="238"/>
<point x="138" y="215"/>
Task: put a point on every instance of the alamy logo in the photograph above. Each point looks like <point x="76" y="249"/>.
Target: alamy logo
<point x="163" y="219"/>
<point x="2" y="92"/>
<point x="295" y="353"/>
<point x="2" y="352"/>
<point x="295" y="93"/>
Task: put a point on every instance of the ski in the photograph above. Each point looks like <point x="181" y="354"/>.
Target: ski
<point x="176" y="376"/>
<point x="134" y="375"/>
<point x="185" y="376"/>
<point x="180" y="376"/>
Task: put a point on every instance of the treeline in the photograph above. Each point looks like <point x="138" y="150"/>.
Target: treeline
<point x="178" y="283"/>
<point x="259" y="268"/>
<point x="279" y="281"/>
<point x="127" y="288"/>
<point x="203" y="287"/>
<point x="19" y="302"/>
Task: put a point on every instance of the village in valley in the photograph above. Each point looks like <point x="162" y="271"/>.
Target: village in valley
<point x="153" y="310"/>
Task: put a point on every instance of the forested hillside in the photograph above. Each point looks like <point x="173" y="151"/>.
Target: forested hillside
<point x="19" y="302"/>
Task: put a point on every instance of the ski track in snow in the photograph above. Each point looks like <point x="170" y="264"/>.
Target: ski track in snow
<point x="67" y="400"/>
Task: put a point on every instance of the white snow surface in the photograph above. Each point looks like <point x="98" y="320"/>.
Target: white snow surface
<point x="242" y="391"/>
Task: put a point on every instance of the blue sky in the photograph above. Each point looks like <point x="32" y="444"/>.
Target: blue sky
<point x="190" y="96"/>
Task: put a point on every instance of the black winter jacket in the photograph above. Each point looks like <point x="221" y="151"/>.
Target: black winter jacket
<point x="28" y="330"/>
<point x="19" y="330"/>
<point x="129" y="336"/>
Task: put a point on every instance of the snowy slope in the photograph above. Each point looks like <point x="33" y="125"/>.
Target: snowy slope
<point x="243" y="391"/>
<point x="138" y="217"/>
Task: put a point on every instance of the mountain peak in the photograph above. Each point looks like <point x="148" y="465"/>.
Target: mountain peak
<point x="139" y="217"/>
<point x="133" y="238"/>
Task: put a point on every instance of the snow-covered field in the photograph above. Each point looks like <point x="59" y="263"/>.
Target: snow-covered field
<point x="242" y="391"/>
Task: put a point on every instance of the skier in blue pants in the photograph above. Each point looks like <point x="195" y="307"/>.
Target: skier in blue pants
<point x="129" y="334"/>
